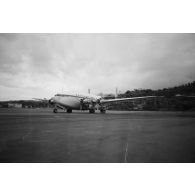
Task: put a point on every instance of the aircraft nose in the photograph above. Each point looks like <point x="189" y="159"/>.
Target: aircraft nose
<point x="51" y="101"/>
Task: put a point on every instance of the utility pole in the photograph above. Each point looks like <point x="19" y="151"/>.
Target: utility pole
<point x="116" y="93"/>
<point x="88" y="91"/>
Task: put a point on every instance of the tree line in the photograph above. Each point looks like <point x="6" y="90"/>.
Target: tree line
<point x="178" y="98"/>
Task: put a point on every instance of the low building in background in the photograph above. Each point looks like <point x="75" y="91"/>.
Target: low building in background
<point x="14" y="105"/>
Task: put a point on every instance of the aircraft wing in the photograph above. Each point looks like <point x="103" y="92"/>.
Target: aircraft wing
<point x="191" y="96"/>
<point x="43" y="100"/>
<point x="125" y="99"/>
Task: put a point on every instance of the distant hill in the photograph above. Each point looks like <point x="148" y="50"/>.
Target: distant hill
<point x="186" y="90"/>
<point x="179" y="98"/>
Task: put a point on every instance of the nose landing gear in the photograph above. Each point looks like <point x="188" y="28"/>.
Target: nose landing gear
<point x="69" y="110"/>
<point x="55" y="110"/>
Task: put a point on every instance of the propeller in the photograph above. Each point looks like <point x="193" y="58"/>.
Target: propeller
<point x="98" y="101"/>
<point x="81" y="104"/>
<point x="84" y="101"/>
<point x="90" y="102"/>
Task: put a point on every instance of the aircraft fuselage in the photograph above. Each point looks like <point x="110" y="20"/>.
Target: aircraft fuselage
<point x="70" y="101"/>
<point x="67" y="101"/>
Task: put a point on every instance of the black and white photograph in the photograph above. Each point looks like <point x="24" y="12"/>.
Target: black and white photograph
<point x="97" y="98"/>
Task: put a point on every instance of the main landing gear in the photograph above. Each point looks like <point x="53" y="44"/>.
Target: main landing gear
<point x="92" y="110"/>
<point x="103" y="111"/>
<point x="69" y="110"/>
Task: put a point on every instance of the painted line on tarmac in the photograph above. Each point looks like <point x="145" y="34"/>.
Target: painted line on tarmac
<point x="126" y="152"/>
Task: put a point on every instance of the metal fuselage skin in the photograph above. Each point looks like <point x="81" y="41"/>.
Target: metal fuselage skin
<point x="72" y="101"/>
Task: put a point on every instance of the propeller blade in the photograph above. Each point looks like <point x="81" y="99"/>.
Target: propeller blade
<point x="81" y="104"/>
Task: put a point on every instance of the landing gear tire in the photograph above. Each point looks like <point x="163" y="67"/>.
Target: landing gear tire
<point x="92" y="111"/>
<point x="55" y="110"/>
<point x="102" y="111"/>
<point x="69" y="110"/>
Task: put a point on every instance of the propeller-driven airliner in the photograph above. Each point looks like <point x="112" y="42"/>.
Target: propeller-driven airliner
<point x="69" y="102"/>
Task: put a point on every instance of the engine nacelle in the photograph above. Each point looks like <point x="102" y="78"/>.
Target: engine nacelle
<point x="86" y="101"/>
<point x="89" y="101"/>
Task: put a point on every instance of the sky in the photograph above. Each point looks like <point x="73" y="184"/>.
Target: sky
<point x="41" y="65"/>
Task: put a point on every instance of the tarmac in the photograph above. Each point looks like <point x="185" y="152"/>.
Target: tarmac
<point x="40" y="136"/>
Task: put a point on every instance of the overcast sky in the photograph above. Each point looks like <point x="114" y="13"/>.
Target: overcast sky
<point x="40" y="65"/>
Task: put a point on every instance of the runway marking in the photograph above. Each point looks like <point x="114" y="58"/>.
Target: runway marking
<point x="126" y="152"/>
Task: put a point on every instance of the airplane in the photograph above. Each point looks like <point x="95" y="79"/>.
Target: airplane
<point x="88" y="102"/>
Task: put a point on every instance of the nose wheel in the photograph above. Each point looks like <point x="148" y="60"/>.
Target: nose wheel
<point x="55" y="110"/>
<point x="69" y="110"/>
